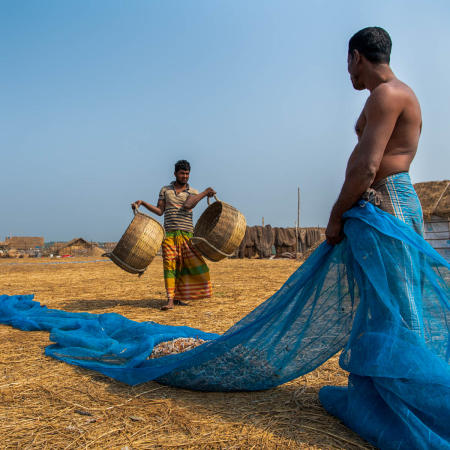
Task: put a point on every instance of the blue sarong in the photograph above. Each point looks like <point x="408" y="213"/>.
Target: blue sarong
<point x="381" y="295"/>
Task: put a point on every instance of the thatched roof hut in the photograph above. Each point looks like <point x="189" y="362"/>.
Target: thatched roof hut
<point x="80" y="247"/>
<point x="435" y="199"/>
<point x="56" y="246"/>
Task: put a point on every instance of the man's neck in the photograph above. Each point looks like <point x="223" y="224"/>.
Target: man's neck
<point x="380" y="73"/>
<point x="178" y="185"/>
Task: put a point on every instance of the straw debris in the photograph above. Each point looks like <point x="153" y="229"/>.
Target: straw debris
<point x="45" y="403"/>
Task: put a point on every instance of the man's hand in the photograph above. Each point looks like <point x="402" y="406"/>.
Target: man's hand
<point x="209" y="192"/>
<point x="334" y="233"/>
<point x="136" y="204"/>
<point x="193" y="200"/>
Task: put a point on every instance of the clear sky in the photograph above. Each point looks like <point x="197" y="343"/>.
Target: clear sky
<point x="99" y="98"/>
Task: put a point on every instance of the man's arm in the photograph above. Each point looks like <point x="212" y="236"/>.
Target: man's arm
<point x="192" y="200"/>
<point x="381" y="112"/>
<point x="158" y="210"/>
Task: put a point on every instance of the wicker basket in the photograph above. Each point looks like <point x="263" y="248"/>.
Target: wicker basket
<point x="138" y="245"/>
<point x="219" y="231"/>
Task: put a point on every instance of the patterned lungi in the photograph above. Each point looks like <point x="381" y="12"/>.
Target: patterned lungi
<point x="395" y="194"/>
<point x="186" y="275"/>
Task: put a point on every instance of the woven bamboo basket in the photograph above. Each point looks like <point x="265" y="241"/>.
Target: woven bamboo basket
<point x="138" y="245"/>
<point x="219" y="231"/>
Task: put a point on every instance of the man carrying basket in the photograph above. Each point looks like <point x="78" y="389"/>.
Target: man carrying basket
<point x="186" y="275"/>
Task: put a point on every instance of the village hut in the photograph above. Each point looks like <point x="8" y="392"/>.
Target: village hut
<point x="80" y="247"/>
<point x="24" y="243"/>
<point x="52" y="248"/>
<point x="19" y="246"/>
<point x="435" y="199"/>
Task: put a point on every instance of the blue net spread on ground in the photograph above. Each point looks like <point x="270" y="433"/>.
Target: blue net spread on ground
<point x="381" y="296"/>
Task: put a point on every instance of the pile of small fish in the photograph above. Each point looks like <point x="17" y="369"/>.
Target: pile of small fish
<point x="178" y="345"/>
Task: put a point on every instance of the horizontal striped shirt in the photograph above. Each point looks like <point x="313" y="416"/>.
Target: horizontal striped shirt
<point x="175" y="216"/>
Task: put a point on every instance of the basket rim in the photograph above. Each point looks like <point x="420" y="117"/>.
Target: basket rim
<point x="123" y="265"/>
<point x="221" y="212"/>
<point x="220" y="201"/>
<point x="212" y="253"/>
<point x="211" y="206"/>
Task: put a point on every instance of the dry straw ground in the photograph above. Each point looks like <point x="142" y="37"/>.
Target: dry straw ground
<point x="48" y="404"/>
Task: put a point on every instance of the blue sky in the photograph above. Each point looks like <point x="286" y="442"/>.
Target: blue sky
<point x="98" y="99"/>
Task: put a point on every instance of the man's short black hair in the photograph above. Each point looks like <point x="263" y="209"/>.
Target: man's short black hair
<point x="182" y="164"/>
<point x="372" y="42"/>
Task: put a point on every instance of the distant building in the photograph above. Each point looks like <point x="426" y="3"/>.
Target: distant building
<point x="79" y="247"/>
<point x="24" y="243"/>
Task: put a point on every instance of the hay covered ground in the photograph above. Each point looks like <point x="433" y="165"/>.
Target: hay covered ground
<point x="45" y="403"/>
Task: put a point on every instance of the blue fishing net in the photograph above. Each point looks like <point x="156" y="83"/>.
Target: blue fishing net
<point x="381" y="296"/>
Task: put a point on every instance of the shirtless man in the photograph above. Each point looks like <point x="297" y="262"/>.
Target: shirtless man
<point x="388" y="128"/>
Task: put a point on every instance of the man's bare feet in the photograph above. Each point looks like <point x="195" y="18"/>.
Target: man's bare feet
<point x="180" y="303"/>
<point x="169" y="305"/>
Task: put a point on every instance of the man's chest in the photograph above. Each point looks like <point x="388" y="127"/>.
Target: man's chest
<point x="174" y="198"/>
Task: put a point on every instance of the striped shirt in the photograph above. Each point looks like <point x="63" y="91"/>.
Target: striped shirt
<point x="175" y="216"/>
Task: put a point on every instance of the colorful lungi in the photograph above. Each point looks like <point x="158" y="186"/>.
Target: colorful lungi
<point x="186" y="275"/>
<point x="396" y="195"/>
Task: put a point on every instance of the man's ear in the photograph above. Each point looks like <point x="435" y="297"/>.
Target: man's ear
<point x="356" y="56"/>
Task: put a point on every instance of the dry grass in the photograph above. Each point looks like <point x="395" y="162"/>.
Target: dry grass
<point x="434" y="197"/>
<point x="48" y="404"/>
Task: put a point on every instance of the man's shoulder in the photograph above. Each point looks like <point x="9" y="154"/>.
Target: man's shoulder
<point x="163" y="190"/>
<point x="391" y="92"/>
<point x="193" y="191"/>
<point x="387" y="98"/>
<point x="383" y="92"/>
